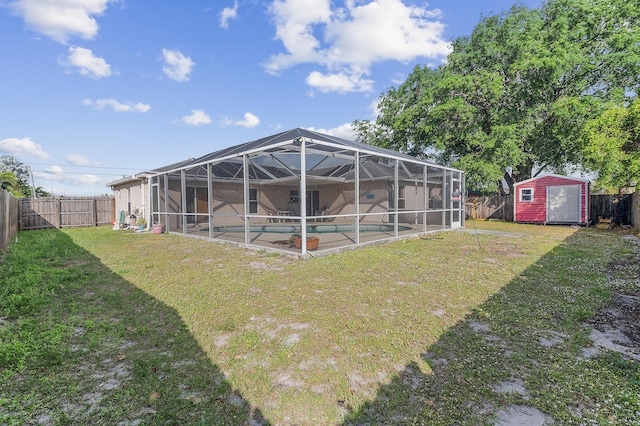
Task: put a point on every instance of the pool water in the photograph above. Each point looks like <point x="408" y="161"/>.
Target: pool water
<point x="312" y="229"/>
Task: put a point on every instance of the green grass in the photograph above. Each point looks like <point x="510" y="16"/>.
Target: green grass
<point x="108" y="327"/>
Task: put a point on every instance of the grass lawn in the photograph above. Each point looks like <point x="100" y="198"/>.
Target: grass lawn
<point x="106" y="327"/>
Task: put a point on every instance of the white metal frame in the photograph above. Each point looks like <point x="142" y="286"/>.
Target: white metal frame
<point x="300" y="145"/>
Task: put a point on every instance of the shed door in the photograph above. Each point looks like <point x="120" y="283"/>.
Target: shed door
<point x="564" y="204"/>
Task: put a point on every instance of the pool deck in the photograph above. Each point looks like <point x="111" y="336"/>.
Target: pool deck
<point x="330" y="242"/>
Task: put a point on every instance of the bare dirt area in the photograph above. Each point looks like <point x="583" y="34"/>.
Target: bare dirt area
<point x="616" y="327"/>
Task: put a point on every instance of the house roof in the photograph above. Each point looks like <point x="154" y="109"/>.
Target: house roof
<point x="277" y="158"/>
<point x="143" y="175"/>
<point x="291" y="135"/>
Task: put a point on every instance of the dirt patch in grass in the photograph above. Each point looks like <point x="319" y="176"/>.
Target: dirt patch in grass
<point x="617" y="326"/>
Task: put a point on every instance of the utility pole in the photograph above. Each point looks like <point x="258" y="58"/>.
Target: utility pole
<point x="33" y="184"/>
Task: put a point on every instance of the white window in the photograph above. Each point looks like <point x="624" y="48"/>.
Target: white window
<point x="526" y="194"/>
<point x="401" y="198"/>
<point x="294" y="196"/>
<point x="253" y="200"/>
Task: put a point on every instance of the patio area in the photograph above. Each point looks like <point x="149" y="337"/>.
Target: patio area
<point x="261" y="192"/>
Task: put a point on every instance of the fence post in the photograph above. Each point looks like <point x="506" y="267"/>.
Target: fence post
<point x="635" y="210"/>
<point x="58" y="206"/>
<point x="475" y="208"/>
<point x="8" y="219"/>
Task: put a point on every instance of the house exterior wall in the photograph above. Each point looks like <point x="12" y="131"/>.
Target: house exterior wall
<point x="338" y="198"/>
<point x="131" y="198"/>
<point x="272" y="198"/>
<point x="374" y="197"/>
<point x="535" y="211"/>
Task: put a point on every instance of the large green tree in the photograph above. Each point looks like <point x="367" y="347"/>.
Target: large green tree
<point x="513" y="98"/>
<point x="611" y="146"/>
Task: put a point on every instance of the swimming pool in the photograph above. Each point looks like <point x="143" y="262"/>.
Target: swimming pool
<point x="312" y="229"/>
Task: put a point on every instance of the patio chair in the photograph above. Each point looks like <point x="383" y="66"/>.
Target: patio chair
<point x="121" y="222"/>
<point x="324" y="212"/>
<point x="273" y="215"/>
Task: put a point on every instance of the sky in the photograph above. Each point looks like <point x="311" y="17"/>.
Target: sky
<point x="95" y="90"/>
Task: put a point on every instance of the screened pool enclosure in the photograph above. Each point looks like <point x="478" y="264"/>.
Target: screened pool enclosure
<point x="344" y="193"/>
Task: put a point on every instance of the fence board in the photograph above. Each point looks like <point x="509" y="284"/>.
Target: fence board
<point x="55" y="212"/>
<point x="635" y="210"/>
<point x="8" y="219"/>
<point x="499" y="207"/>
<point x="615" y="207"/>
<point x="105" y="210"/>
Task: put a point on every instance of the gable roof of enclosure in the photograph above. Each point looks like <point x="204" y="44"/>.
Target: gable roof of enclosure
<point x="276" y="158"/>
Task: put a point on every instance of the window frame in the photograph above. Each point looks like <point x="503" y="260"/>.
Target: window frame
<point x="521" y="195"/>
<point x="253" y="202"/>
<point x="402" y="200"/>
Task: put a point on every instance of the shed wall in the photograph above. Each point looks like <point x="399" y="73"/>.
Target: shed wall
<point x="535" y="211"/>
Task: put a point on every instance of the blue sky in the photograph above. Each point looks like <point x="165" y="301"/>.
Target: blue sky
<point x="92" y="90"/>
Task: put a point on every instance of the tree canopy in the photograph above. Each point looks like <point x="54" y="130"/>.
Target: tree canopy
<point x="514" y="97"/>
<point x="8" y="181"/>
<point x="611" y="145"/>
<point x="15" y="178"/>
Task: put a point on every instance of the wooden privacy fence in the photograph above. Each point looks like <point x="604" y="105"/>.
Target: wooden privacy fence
<point x="8" y="219"/>
<point x="65" y="212"/>
<point x="499" y="207"/>
<point x="619" y="208"/>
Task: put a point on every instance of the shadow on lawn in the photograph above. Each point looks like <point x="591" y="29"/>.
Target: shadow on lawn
<point x="518" y="353"/>
<point x="128" y="358"/>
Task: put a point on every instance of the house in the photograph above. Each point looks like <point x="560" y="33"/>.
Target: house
<point x="131" y="193"/>
<point x="346" y="193"/>
<point x="552" y="199"/>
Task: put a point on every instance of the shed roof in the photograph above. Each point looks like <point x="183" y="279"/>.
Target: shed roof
<point x="571" y="178"/>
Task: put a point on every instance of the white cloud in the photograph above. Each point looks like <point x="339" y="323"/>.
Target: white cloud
<point x="344" y="131"/>
<point x="347" y="41"/>
<point x="227" y="14"/>
<point x="54" y="169"/>
<point x="339" y="82"/>
<point x="117" y="106"/>
<point x="374" y="107"/>
<point x="56" y="173"/>
<point x="177" y="66"/>
<point x="24" y="146"/>
<point x="88" y="65"/>
<point x="61" y="19"/>
<point x="250" y="120"/>
<point x="197" y="118"/>
<point x="78" y="160"/>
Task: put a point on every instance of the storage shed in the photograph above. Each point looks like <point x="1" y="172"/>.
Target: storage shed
<point x="552" y="199"/>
